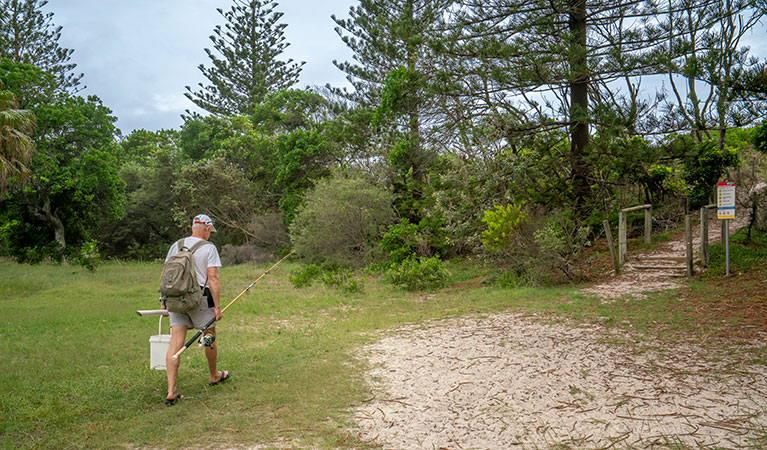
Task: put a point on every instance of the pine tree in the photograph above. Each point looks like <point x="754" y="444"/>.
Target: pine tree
<point x="247" y="68"/>
<point x="392" y="72"/>
<point x="27" y="35"/>
<point x="530" y="67"/>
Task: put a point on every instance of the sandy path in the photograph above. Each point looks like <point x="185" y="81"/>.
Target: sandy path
<point x="507" y="381"/>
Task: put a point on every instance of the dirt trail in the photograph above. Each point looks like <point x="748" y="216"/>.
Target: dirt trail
<point x="510" y="381"/>
<point x="635" y="282"/>
<point x="507" y="381"/>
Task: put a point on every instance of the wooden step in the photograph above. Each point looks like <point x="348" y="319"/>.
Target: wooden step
<point x="662" y="258"/>
<point x="641" y="267"/>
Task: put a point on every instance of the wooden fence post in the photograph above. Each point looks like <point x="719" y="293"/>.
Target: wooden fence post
<point x="704" y="235"/>
<point x="688" y="243"/>
<point x="622" y="249"/>
<point x="648" y="225"/>
<point x="611" y="244"/>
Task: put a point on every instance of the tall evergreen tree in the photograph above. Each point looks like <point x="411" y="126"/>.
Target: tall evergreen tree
<point x="28" y="35"/>
<point x="528" y="67"/>
<point x="392" y="71"/>
<point x="244" y="66"/>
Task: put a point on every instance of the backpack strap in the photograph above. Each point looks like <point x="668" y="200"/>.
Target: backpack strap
<point x="193" y="249"/>
<point x="197" y="245"/>
<point x="180" y="244"/>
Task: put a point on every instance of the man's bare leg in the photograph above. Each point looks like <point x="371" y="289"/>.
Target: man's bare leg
<point x="177" y="338"/>
<point x="211" y="353"/>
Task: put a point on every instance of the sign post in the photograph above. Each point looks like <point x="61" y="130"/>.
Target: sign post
<point x="725" y="210"/>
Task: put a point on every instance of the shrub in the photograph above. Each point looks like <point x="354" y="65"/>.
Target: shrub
<point x="343" y="279"/>
<point x="337" y="277"/>
<point x="400" y="241"/>
<point x="533" y="247"/>
<point x="305" y="276"/>
<point x="558" y="241"/>
<point x="89" y="256"/>
<point x="232" y="255"/>
<point x="418" y="273"/>
<point x="341" y="221"/>
<point x="502" y="222"/>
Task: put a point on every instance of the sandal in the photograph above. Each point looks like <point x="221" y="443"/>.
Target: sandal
<point x="174" y="400"/>
<point x="224" y="376"/>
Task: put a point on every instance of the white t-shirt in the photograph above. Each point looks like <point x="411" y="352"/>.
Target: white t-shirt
<point x="204" y="257"/>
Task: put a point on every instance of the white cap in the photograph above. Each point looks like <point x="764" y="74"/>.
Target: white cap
<point x="203" y="219"/>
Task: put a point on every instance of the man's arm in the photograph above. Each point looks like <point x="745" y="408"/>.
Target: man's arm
<point x="214" y="283"/>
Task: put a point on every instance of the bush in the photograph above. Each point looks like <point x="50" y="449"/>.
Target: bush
<point x="343" y="279"/>
<point x="418" y="273"/>
<point x="534" y="247"/>
<point x="305" y="276"/>
<point x="232" y="255"/>
<point x="400" y="241"/>
<point x="337" y="277"/>
<point x="341" y="222"/>
<point x="89" y="256"/>
<point x="501" y="223"/>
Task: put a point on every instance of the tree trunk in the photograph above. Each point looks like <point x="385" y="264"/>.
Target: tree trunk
<point x="579" y="102"/>
<point x="46" y="214"/>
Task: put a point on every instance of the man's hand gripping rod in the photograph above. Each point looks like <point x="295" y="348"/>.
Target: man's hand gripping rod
<point x="197" y="335"/>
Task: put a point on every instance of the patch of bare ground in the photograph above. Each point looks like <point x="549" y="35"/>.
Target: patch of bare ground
<point x="509" y="381"/>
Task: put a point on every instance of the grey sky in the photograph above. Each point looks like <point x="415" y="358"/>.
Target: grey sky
<point x="137" y="55"/>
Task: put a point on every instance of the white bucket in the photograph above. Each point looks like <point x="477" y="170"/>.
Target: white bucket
<point x="158" y="348"/>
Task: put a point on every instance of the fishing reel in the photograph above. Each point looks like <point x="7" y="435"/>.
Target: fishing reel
<point x="207" y="340"/>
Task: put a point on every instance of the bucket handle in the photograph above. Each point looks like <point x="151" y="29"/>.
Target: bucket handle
<point x="159" y="327"/>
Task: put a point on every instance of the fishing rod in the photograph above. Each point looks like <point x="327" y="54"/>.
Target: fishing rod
<point x="197" y="335"/>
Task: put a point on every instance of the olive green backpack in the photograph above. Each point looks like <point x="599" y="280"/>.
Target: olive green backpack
<point x="180" y="292"/>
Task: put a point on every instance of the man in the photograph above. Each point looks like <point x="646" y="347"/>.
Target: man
<point x="206" y="264"/>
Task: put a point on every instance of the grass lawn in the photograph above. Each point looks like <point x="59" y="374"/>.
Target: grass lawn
<point x="76" y="355"/>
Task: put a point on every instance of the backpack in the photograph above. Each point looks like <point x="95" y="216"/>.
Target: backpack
<point x="179" y="288"/>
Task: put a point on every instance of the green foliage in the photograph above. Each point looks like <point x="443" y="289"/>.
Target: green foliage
<point x="401" y="241"/>
<point x="202" y="137"/>
<point x="501" y="223"/>
<point x="760" y="137"/>
<point x="342" y="279"/>
<point x="288" y="110"/>
<point x="418" y="273"/>
<point x="305" y="155"/>
<point x="16" y="147"/>
<point x="245" y="66"/>
<point x="332" y="276"/>
<point x="399" y="95"/>
<point x="74" y="186"/>
<point x="510" y="279"/>
<point x="341" y="221"/>
<point x="305" y="275"/>
<point x="89" y="256"/>
<point x="147" y="225"/>
<point x="31" y="85"/>
<point x="744" y="253"/>
<point x="145" y="146"/>
<point x="558" y="241"/>
<point x="28" y="35"/>
<point x="703" y="168"/>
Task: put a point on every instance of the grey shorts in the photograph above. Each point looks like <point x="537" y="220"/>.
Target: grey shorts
<point x="195" y="319"/>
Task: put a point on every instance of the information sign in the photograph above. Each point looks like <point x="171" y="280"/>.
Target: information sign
<point x="725" y="200"/>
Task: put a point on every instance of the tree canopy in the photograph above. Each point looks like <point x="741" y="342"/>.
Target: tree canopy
<point x="245" y="64"/>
